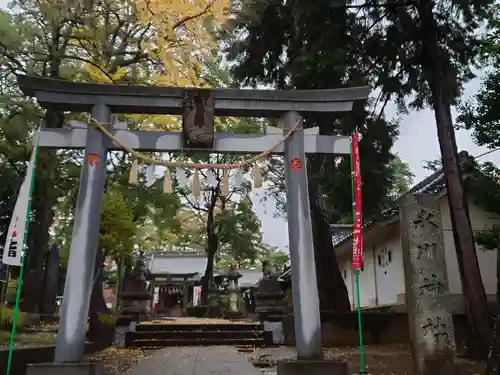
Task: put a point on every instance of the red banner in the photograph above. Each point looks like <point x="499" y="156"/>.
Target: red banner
<point x="357" y="238"/>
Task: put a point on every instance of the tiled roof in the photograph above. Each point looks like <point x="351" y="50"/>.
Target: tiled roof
<point x="434" y="184"/>
<point x="177" y="263"/>
<point x="249" y="277"/>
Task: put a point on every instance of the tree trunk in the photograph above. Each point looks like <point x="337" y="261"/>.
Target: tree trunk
<point x="44" y="199"/>
<point x="207" y="281"/>
<point x="46" y="193"/>
<point x="43" y="203"/>
<point x="119" y="279"/>
<point x="443" y="88"/>
<point x="99" y="332"/>
<point x="332" y="291"/>
<point x="212" y="247"/>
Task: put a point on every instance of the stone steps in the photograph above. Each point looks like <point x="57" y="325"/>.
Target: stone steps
<point x="198" y="327"/>
<point x="163" y="335"/>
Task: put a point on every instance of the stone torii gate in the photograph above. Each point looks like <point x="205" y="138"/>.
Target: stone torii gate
<point x="198" y="107"/>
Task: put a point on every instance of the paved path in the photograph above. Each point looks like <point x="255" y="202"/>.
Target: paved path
<point x="209" y="360"/>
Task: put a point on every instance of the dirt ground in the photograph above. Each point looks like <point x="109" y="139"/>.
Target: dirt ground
<point x="118" y="361"/>
<point x="379" y="360"/>
<point x="395" y="360"/>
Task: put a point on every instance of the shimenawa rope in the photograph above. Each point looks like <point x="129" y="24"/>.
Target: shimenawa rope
<point x="189" y="165"/>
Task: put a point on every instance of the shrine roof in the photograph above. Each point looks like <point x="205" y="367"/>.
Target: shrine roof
<point x="249" y="277"/>
<point x="433" y="184"/>
<point x="177" y="263"/>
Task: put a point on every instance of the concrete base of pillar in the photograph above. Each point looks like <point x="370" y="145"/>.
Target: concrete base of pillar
<point x="312" y="367"/>
<point x="80" y="368"/>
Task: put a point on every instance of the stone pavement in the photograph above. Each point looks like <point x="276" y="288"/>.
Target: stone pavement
<point x="208" y="360"/>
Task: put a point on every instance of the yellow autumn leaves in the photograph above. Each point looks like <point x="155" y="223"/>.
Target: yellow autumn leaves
<point x="184" y="35"/>
<point x="178" y="34"/>
<point x="160" y="42"/>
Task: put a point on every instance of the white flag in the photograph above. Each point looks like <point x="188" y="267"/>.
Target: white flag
<point x="14" y="244"/>
<point x="150" y="175"/>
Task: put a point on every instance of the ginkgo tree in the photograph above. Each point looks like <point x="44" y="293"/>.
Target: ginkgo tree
<point x="183" y="36"/>
<point x="111" y="42"/>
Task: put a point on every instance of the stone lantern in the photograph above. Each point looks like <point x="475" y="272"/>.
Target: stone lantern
<point x="233" y="290"/>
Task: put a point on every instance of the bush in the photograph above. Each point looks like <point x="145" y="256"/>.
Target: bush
<point x="11" y="292"/>
<point x="7" y="319"/>
<point x="196" y="311"/>
<point x="108" y="319"/>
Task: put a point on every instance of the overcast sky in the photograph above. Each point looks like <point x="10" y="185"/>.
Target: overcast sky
<point x="417" y="142"/>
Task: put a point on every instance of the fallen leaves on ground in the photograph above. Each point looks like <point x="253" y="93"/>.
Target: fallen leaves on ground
<point x="49" y="327"/>
<point x="393" y="359"/>
<point x="27" y="339"/>
<point x="118" y="360"/>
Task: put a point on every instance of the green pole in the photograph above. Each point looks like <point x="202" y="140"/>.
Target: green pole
<point x="358" y="299"/>
<point x="21" y="272"/>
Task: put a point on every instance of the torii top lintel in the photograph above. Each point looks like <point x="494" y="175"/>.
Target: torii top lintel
<point x="81" y="97"/>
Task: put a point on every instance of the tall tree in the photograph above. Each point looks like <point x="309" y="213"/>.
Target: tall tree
<point x="112" y="41"/>
<point x="480" y="113"/>
<point x="309" y="45"/>
<point x="402" y="178"/>
<point x="425" y="51"/>
<point x="116" y="241"/>
<point x="232" y="229"/>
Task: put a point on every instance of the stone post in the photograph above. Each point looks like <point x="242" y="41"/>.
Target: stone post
<point x="185" y="296"/>
<point x="428" y="304"/>
<point x="233" y="296"/>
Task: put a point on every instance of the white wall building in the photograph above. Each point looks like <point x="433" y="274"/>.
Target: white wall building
<point x="382" y="278"/>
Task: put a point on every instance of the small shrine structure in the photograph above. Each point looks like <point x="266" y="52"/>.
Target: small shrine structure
<point x="173" y="278"/>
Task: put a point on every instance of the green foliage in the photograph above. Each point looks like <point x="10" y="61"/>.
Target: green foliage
<point x="107" y="319"/>
<point x="488" y="239"/>
<point x="12" y="291"/>
<point x="278" y="259"/>
<point x="117" y="230"/>
<point x="196" y="311"/>
<point x="482" y="113"/>
<point x="239" y="231"/>
<point x="433" y="165"/>
<point x="304" y="45"/>
<point x="482" y="183"/>
<point x="402" y="178"/>
<point x="401" y="40"/>
<point x="7" y="319"/>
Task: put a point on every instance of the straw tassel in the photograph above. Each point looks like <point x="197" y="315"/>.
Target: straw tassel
<point x="133" y="177"/>
<point x="196" y="187"/>
<point x="257" y="177"/>
<point x="167" y="181"/>
<point x="225" y="183"/>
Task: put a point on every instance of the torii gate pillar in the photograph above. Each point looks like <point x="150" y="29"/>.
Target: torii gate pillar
<point x="71" y="334"/>
<point x="300" y="236"/>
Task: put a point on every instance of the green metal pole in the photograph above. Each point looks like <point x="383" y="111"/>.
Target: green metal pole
<point x="21" y="272"/>
<point x="358" y="299"/>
